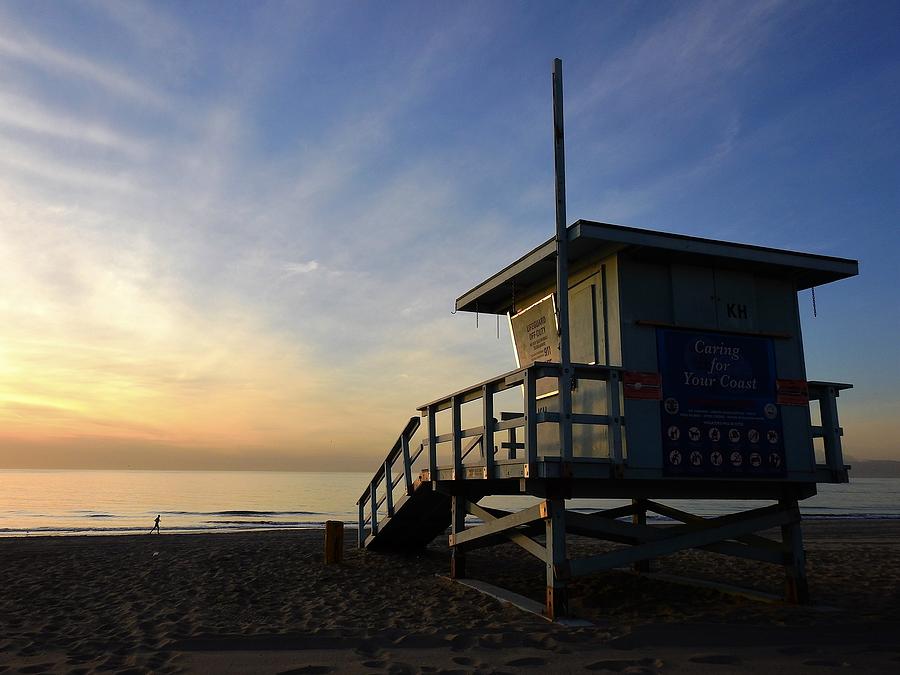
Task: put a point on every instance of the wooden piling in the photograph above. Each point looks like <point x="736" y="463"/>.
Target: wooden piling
<point x="639" y="518"/>
<point x="457" y="525"/>
<point x="557" y="601"/>
<point x="334" y="541"/>
<point x="796" y="588"/>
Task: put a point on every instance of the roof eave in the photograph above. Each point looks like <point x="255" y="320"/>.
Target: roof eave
<point x="493" y="296"/>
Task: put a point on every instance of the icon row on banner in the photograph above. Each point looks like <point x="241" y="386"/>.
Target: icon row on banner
<point x="719" y="458"/>
<point x="673" y="407"/>
<point x="715" y="434"/>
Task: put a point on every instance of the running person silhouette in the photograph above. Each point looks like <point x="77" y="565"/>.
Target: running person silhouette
<point x="156" y="525"/>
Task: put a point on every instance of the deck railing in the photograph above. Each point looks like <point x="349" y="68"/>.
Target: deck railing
<point x="528" y="420"/>
<point x="398" y="466"/>
<point x="826" y="393"/>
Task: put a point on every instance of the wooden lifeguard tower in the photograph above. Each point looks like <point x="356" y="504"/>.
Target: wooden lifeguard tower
<point x="669" y="367"/>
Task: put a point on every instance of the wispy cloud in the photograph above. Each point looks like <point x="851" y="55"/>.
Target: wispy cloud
<point x="20" y="113"/>
<point x="293" y="269"/>
<point x="150" y="26"/>
<point x="26" y="164"/>
<point x="682" y="52"/>
<point x="33" y="51"/>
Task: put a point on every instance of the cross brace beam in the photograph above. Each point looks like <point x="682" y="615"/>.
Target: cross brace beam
<point x="732" y="534"/>
<point x="486" y="534"/>
<point x="663" y="541"/>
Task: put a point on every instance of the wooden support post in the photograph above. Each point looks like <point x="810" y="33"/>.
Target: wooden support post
<point x="557" y="594"/>
<point x="389" y="489"/>
<point x="531" y="439"/>
<point x="796" y="589"/>
<point x="831" y="430"/>
<point x="512" y="438"/>
<point x="361" y="532"/>
<point x="374" y="507"/>
<point x="432" y="443"/>
<point x="407" y="464"/>
<point x="487" y="443"/>
<point x="457" y="525"/>
<point x="456" y="443"/>
<point x="334" y="541"/>
<point x="615" y="418"/>
<point x="639" y="517"/>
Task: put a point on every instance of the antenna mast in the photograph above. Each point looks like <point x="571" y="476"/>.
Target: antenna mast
<point x="562" y="266"/>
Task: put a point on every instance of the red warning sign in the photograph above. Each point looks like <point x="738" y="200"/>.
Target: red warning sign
<point x="646" y="386"/>
<point x="792" y="392"/>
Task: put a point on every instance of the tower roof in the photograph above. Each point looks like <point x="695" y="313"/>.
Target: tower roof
<point x="588" y="238"/>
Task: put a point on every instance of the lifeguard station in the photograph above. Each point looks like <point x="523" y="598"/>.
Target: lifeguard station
<point x="670" y="367"/>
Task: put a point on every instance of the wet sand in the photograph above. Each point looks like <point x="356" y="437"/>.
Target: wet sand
<point x="264" y="603"/>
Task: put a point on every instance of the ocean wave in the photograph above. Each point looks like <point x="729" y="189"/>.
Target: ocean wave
<point x="247" y="514"/>
<point x="851" y="516"/>
<point x="259" y="522"/>
<point x="187" y="529"/>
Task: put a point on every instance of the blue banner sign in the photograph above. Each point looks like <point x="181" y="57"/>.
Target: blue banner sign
<point x="719" y="415"/>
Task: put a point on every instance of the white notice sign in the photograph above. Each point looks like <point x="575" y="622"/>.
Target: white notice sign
<point x="535" y="333"/>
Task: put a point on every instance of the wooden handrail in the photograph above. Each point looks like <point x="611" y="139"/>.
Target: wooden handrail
<point x="411" y="427"/>
<point x="514" y="378"/>
<point x="528" y="420"/>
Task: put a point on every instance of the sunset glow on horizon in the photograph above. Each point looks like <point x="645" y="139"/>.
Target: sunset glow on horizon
<point x="231" y="234"/>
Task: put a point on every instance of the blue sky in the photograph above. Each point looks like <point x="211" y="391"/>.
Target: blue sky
<point x="231" y="233"/>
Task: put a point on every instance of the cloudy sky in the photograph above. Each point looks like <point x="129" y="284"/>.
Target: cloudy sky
<point x="231" y="233"/>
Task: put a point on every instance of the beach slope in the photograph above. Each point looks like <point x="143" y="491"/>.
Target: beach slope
<point x="263" y="602"/>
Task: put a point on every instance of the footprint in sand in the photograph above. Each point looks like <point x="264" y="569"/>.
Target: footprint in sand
<point x="796" y="649"/>
<point x="827" y="663"/>
<point x="461" y="642"/>
<point x="718" y="659"/>
<point x="620" y="665"/>
<point x="527" y="661"/>
<point x="37" y="668"/>
<point x="307" y="670"/>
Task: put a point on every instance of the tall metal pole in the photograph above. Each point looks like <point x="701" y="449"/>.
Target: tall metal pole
<point x="562" y="266"/>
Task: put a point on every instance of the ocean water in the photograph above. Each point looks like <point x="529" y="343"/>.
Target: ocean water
<point x="127" y="502"/>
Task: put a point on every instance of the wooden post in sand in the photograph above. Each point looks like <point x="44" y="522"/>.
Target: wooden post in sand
<point x="334" y="541"/>
<point x="796" y="588"/>
<point x="457" y="525"/>
<point x="554" y="514"/>
<point x="639" y="518"/>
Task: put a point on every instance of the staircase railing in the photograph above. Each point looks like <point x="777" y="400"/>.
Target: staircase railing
<point x="380" y="490"/>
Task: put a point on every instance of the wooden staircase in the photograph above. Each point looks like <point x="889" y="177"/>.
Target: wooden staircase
<point x="418" y="519"/>
<point x="409" y="518"/>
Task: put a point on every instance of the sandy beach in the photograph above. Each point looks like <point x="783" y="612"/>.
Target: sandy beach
<point x="264" y="603"/>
